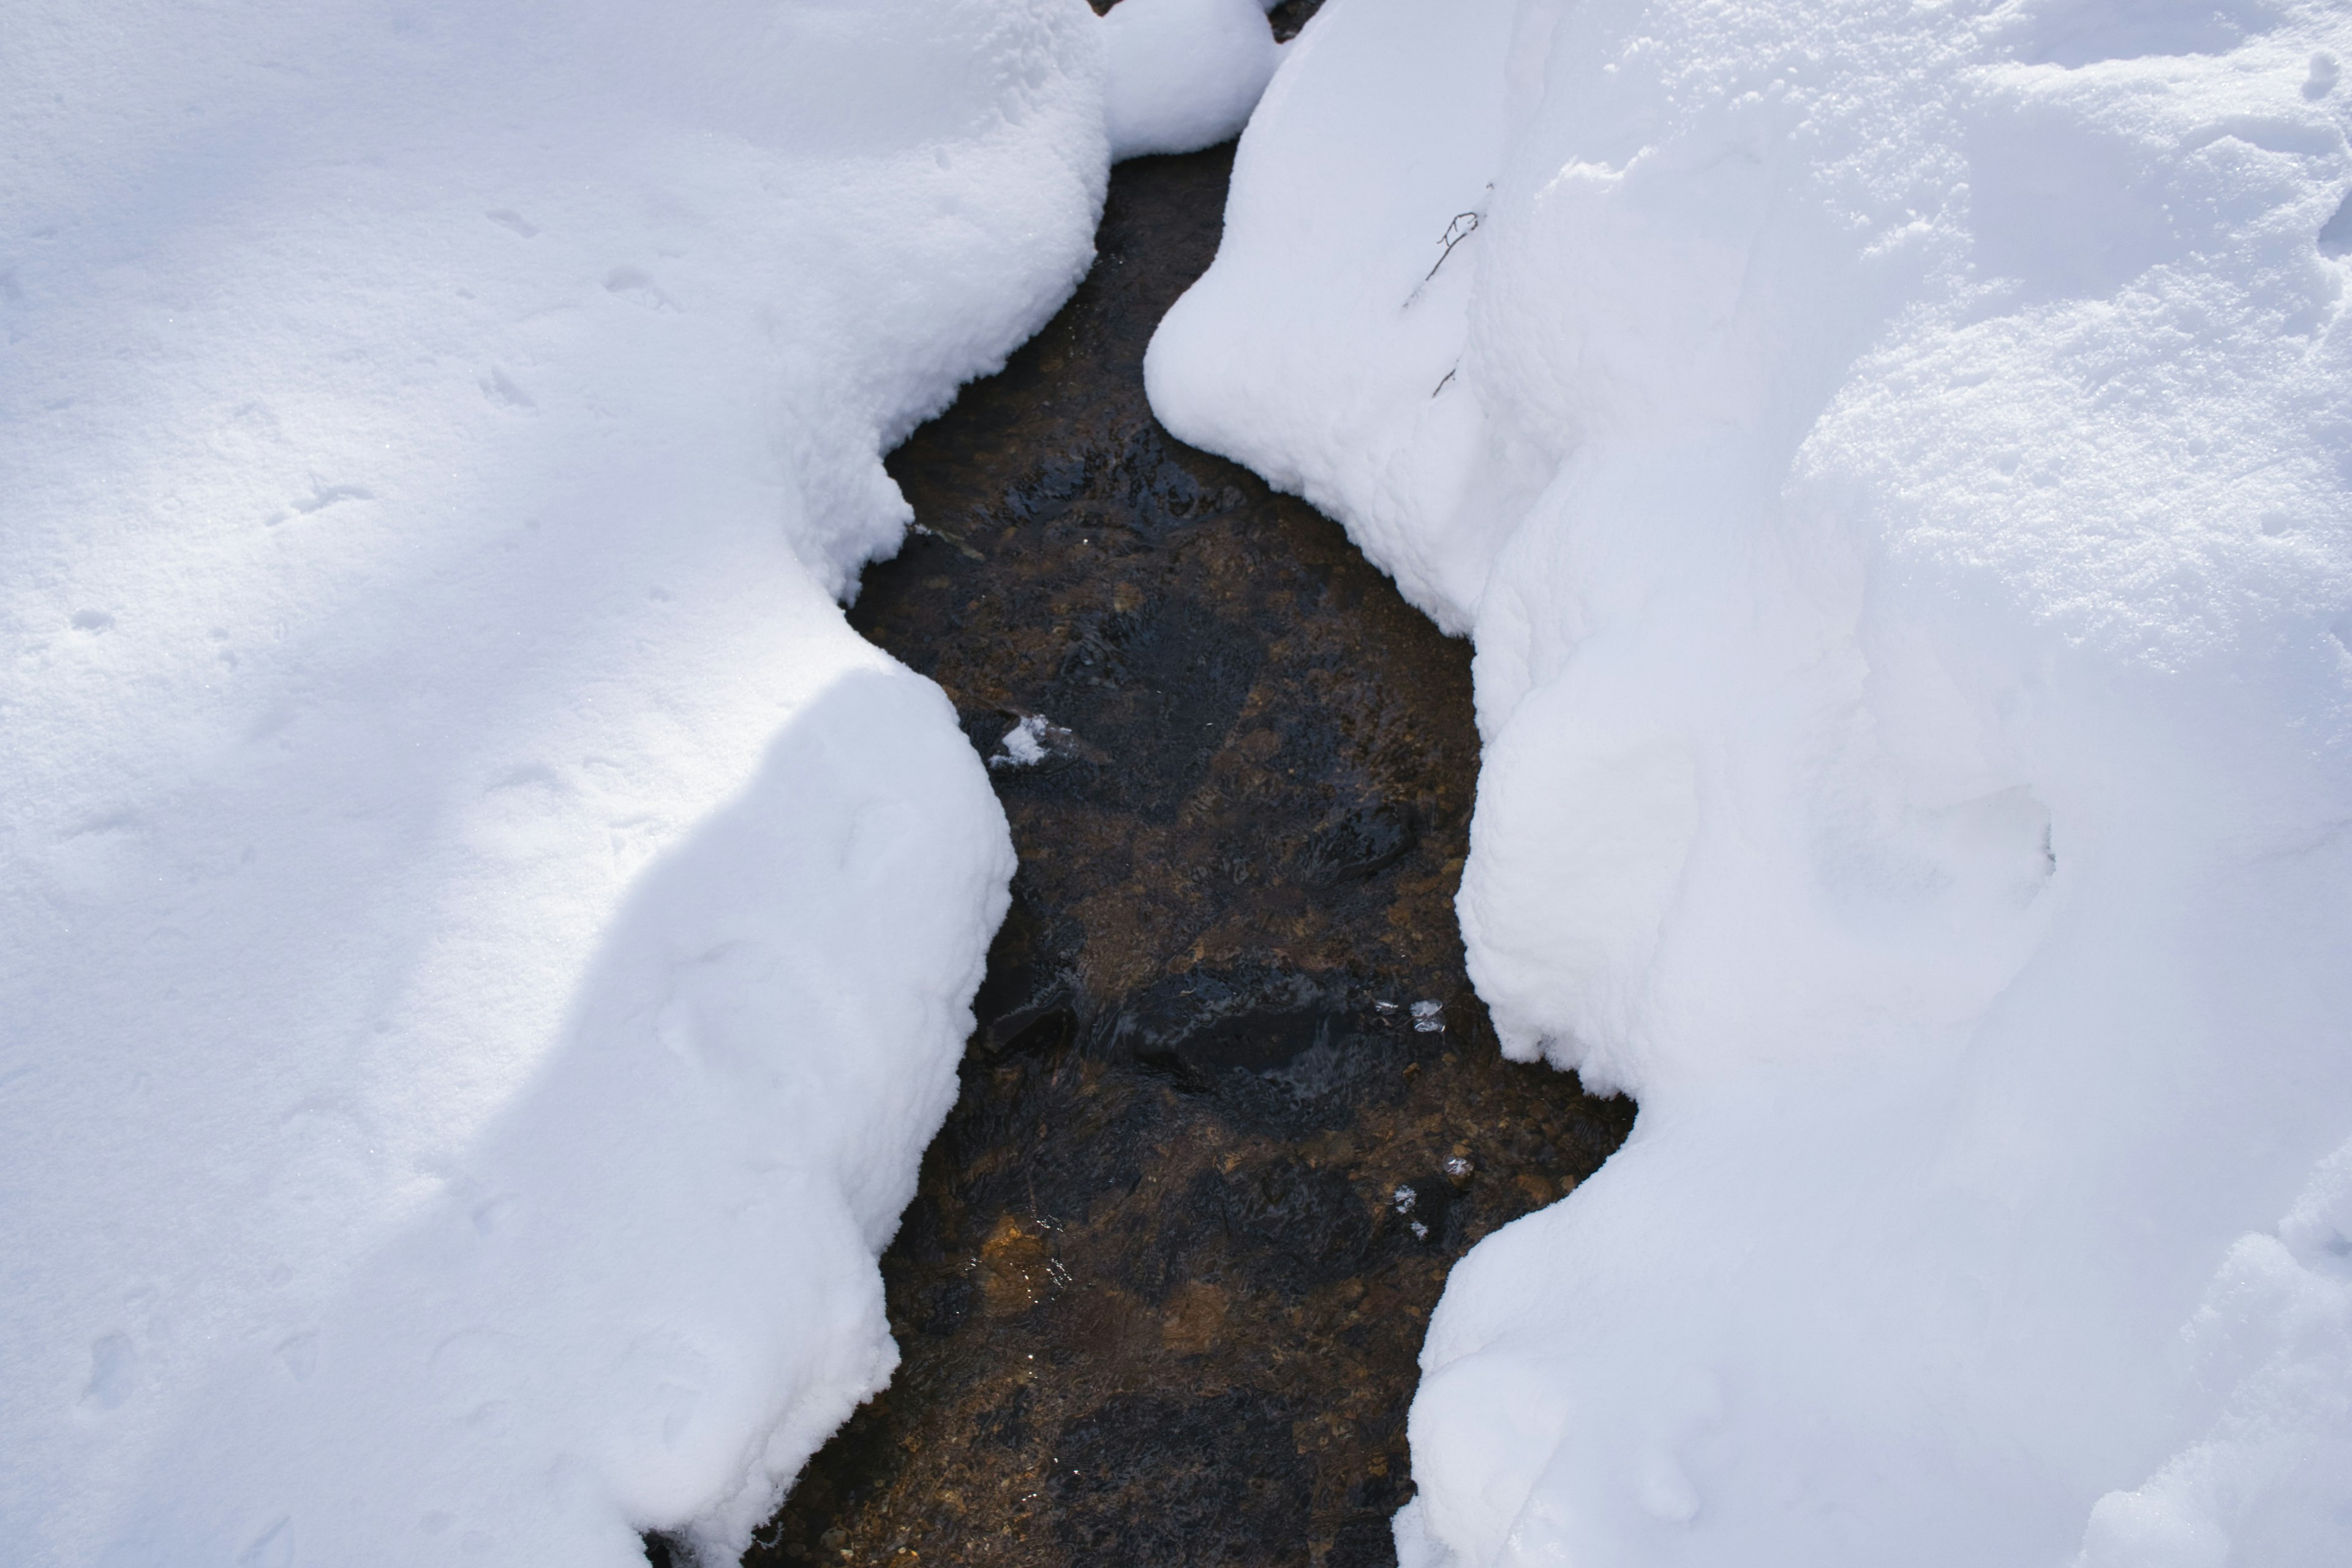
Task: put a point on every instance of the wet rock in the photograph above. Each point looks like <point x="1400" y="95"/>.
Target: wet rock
<point x="1361" y="841"/>
<point x="1199" y="1024"/>
<point x="1312" y="1218"/>
<point x="1235" y="1490"/>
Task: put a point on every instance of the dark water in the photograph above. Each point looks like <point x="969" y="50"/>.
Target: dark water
<point x="1162" y="1292"/>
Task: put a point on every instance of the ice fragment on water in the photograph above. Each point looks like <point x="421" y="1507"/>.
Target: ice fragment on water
<point x="1457" y="1167"/>
<point x="1037" y="739"/>
<point x="1024" y="746"/>
<point x="1404" y="1199"/>
<point x="1425" y="1019"/>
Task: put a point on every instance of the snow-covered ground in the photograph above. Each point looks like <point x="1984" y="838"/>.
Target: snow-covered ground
<point x="1893" y="459"/>
<point x="482" y="943"/>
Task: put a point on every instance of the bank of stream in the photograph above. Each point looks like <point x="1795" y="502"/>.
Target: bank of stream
<point x="1232" y="1109"/>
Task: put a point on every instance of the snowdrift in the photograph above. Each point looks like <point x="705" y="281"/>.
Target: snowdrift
<point x="1891" y="462"/>
<point x="482" y="943"/>
<point x="1183" y="75"/>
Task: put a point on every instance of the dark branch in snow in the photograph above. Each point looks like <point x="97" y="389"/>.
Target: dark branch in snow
<point x="1464" y="226"/>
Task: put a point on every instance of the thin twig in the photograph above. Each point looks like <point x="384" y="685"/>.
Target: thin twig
<point x="1455" y="233"/>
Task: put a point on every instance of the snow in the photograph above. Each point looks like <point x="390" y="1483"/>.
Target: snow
<point x="482" y="943"/>
<point x="1890" y="459"/>
<point x="1184" y="74"/>
<point x="1024" y="746"/>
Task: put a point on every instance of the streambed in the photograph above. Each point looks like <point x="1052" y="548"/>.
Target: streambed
<point x="1231" y="1110"/>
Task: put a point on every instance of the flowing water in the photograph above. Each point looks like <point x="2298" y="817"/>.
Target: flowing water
<point x="1232" y="1109"/>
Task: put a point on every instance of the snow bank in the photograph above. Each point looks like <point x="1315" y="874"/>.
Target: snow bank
<point x="1891" y="459"/>
<point x="1184" y="74"/>
<point x="482" y="945"/>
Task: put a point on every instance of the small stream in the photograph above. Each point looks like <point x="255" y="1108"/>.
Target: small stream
<point x="1232" y="1109"/>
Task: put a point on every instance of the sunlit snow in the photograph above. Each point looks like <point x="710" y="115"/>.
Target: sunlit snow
<point x="1891" y="460"/>
<point x="483" y="944"/>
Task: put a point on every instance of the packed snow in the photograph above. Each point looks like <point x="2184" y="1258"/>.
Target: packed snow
<point x="482" y="943"/>
<point x="1892" y="459"/>
<point x="1184" y="74"/>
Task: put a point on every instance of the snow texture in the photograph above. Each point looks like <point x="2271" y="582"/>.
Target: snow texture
<point x="1891" y="460"/>
<point x="482" y="943"/>
<point x="1184" y="74"/>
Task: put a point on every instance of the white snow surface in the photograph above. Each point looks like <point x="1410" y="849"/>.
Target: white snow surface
<point x="1892" y="460"/>
<point x="482" y="943"/>
<point x="1184" y="74"/>
<point x="1024" y="746"/>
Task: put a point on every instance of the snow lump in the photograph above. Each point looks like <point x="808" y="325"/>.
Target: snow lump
<point x="1184" y="74"/>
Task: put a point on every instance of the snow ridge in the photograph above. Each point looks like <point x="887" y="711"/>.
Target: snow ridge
<point x="1889" y="457"/>
<point x="482" y="942"/>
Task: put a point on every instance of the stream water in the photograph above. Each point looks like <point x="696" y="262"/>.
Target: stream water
<point x="1231" y="1110"/>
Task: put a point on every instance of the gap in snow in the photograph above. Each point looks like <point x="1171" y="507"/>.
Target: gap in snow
<point x="1225" y="1022"/>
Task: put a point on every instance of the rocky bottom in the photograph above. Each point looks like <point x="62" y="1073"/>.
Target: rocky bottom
<point x="1231" y="1110"/>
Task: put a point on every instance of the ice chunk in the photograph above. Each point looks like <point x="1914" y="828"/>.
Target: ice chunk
<point x="482" y="942"/>
<point x="1034" y="740"/>
<point x="1024" y="746"/>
